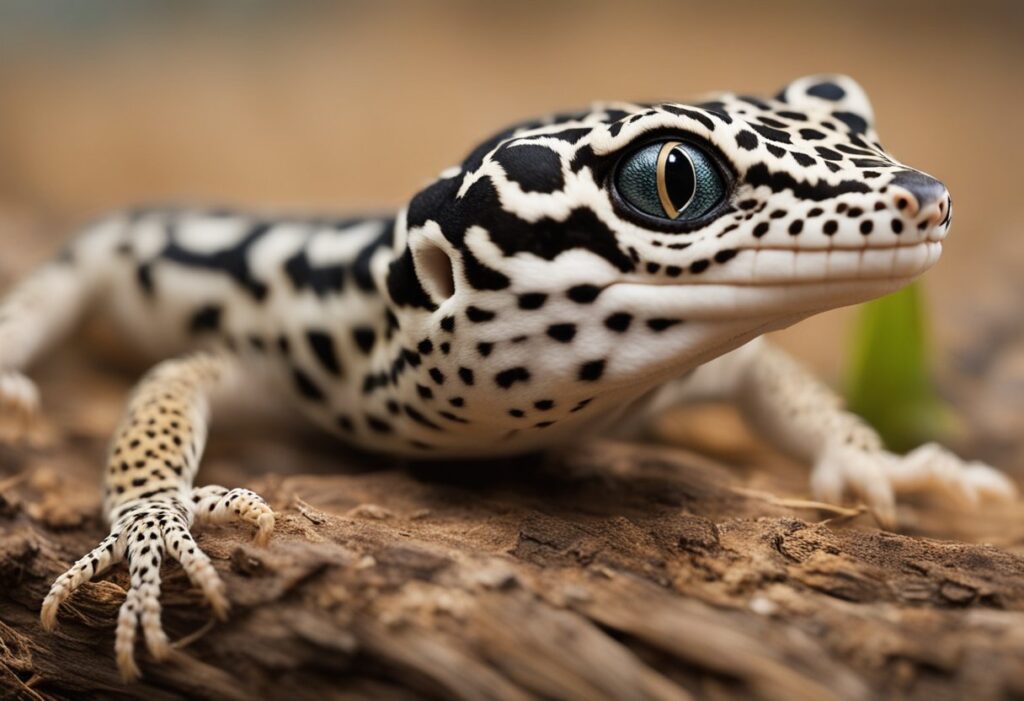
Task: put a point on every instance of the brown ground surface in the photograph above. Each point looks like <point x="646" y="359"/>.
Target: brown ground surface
<point x="619" y="571"/>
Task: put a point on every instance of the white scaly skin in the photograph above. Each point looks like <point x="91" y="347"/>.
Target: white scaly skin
<point x="517" y="303"/>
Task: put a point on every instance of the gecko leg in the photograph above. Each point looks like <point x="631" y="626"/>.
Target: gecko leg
<point x="803" y="417"/>
<point x="151" y="504"/>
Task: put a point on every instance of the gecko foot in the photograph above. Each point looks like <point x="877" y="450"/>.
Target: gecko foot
<point x="140" y="538"/>
<point x="215" y="504"/>
<point x="19" y="406"/>
<point x="878" y="477"/>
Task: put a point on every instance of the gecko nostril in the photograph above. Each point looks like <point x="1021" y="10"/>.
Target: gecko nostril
<point x="917" y="191"/>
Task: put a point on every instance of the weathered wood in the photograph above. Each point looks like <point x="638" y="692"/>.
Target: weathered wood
<point x="617" y="572"/>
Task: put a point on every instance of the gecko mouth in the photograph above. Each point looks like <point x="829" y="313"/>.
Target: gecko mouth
<point x="779" y="265"/>
<point x="775" y="282"/>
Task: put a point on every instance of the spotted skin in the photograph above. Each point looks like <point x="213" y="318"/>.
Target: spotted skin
<point x="517" y="303"/>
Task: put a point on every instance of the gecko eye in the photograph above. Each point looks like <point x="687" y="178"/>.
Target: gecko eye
<point x="671" y="180"/>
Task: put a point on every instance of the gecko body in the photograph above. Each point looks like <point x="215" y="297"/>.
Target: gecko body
<point x="570" y="274"/>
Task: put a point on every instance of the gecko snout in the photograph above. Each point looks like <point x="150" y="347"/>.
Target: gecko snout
<point x="915" y="192"/>
<point x="921" y="199"/>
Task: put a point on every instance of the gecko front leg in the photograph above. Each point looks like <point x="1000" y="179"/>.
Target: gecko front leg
<point x="151" y="504"/>
<point x="802" y="416"/>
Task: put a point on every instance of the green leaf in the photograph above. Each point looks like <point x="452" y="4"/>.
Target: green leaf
<point x="889" y="381"/>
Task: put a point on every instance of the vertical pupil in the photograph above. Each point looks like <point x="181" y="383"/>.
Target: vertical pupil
<point x="679" y="179"/>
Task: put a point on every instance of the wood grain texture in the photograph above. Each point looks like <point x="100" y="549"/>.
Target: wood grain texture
<point x="619" y="572"/>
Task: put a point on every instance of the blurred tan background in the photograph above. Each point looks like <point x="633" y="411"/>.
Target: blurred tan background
<point x="353" y="105"/>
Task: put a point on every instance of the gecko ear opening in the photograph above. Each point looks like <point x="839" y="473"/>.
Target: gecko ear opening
<point x="435" y="270"/>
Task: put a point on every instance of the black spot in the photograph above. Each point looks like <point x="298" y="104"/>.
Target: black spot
<point x="365" y="338"/>
<point x="866" y="227"/>
<point x="699" y="266"/>
<point x="144" y="275"/>
<point x="466" y="375"/>
<point x="583" y="294"/>
<point x="344" y="423"/>
<point x="377" y="425"/>
<point x="703" y="119"/>
<point x="871" y="163"/>
<point x="828" y="154"/>
<point x="507" y="378"/>
<point x="855" y="151"/>
<point x="725" y="255"/>
<point x="532" y="300"/>
<point x="563" y="333"/>
<point x="484" y="349"/>
<point x="403" y="284"/>
<point x="206" y="319"/>
<point x="653" y="268"/>
<point x="307" y="388"/>
<point x="448" y="323"/>
<point x="661" y="324"/>
<point x="619" y="322"/>
<point x="897" y="226"/>
<point x="811" y="134"/>
<point x="425" y="347"/>
<point x="716" y="109"/>
<point x="517" y="413"/>
<point x="803" y="159"/>
<point x="424" y="392"/>
<point x="420" y="418"/>
<point x="457" y="401"/>
<point x="478" y="315"/>
<point x="234" y="261"/>
<point x="759" y="174"/>
<point x="322" y="280"/>
<point x="569" y="135"/>
<point x="535" y="168"/>
<point x="544" y="405"/>
<point x="776" y="151"/>
<point x="480" y="276"/>
<point x="591" y="371"/>
<point x="322" y="345"/>
<point x="437" y="376"/>
<point x="775" y="135"/>
<point x="452" y="417"/>
<point x="856" y="123"/>
<point x="673" y="270"/>
<point x="584" y="158"/>
<point x="827" y="91"/>
<point x="831" y="227"/>
<point x="796" y="226"/>
<point x="761" y="229"/>
<point x="747" y="140"/>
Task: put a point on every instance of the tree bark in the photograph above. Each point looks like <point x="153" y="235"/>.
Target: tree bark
<point x="619" y="571"/>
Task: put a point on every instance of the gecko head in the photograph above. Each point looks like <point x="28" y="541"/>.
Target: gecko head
<point x="629" y="242"/>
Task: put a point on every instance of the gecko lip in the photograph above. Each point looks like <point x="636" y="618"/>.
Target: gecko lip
<point x="778" y="282"/>
<point x="782" y="265"/>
